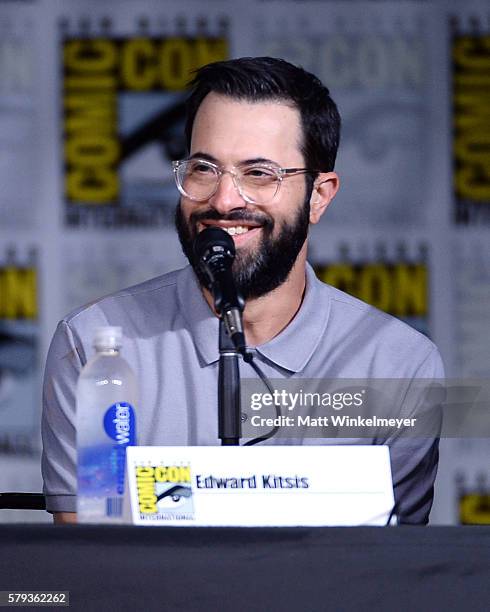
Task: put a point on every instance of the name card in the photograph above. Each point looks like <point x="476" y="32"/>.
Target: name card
<point x="258" y="486"/>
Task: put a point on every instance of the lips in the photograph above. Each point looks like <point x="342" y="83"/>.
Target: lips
<point x="242" y="225"/>
<point x="232" y="228"/>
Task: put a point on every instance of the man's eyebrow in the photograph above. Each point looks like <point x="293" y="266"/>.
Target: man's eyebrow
<point x="258" y="160"/>
<point x="245" y="162"/>
<point x="206" y="156"/>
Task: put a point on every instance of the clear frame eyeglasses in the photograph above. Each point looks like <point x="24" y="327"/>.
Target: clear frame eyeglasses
<point x="259" y="183"/>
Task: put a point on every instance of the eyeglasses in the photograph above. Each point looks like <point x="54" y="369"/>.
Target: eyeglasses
<point x="198" y="179"/>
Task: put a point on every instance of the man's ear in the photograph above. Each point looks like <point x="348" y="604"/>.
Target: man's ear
<point x="324" y="190"/>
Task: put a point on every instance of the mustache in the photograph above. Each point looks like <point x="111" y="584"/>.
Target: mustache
<point x="235" y="215"/>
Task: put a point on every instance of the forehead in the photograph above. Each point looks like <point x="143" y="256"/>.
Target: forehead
<point x="235" y="130"/>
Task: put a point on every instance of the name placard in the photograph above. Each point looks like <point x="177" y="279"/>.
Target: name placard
<point x="258" y="486"/>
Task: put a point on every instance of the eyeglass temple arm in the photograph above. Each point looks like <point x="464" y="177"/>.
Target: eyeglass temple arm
<point x="299" y="171"/>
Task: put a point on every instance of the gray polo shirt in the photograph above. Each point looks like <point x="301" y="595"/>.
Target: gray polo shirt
<point x="170" y="339"/>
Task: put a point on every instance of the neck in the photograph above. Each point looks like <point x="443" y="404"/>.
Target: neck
<point x="265" y="317"/>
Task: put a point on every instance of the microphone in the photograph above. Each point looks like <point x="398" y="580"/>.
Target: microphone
<point x="214" y="250"/>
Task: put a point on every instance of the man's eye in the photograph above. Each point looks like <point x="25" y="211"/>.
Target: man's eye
<point x="202" y="169"/>
<point x="259" y="172"/>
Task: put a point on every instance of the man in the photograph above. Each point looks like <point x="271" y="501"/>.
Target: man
<point x="262" y="137"/>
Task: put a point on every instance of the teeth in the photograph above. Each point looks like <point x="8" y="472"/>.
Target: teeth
<point x="238" y="229"/>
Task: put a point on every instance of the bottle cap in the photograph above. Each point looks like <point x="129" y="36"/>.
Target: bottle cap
<point x="108" y="337"/>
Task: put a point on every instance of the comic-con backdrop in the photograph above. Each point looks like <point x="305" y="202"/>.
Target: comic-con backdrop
<point x="91" y="114"/>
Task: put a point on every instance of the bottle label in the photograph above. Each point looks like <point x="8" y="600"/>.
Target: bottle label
<point x="120" y="425"/>
<point x="101" y="469"/>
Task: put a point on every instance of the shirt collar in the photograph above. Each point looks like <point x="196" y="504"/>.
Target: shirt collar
<point x="291" y="349"/>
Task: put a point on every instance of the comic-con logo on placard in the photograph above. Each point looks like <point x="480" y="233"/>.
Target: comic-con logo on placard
<point x="165" y="492"/>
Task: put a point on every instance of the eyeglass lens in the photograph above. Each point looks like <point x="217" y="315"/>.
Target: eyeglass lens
<point x="199" y="181"/>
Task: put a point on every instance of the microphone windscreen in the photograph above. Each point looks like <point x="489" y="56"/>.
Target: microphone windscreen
<point x="213" y="239"/>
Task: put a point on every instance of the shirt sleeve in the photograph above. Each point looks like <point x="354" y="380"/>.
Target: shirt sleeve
<point x="414" y="460"/>
<point x="63" y="365"/>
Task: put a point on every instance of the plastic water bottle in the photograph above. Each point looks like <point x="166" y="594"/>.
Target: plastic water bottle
<point x="106" y="425"/>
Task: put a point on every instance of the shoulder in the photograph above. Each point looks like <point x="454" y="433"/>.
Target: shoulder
<point x="158" y="288"/>
<point x="384" y="338"/>
<point x="137" y="309"/>
<point x="141" y="310"/>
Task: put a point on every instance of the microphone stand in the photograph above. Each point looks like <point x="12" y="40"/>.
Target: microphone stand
<point x="215" y="251"/>
<point x="229" y="413"/>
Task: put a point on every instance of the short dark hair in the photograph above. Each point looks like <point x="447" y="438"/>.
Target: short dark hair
<point x="257" y="79"/>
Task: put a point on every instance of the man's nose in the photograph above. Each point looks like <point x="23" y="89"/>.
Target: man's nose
<point x="227" y="196"/>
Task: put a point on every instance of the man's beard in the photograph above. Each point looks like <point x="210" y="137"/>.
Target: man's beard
<point x="263" y="268"/>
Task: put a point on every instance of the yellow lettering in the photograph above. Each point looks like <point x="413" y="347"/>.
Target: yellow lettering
<point x="18" y="293"/>
<point x="472" y="80"/>
<point x="410" y="290"/>
<point x="91" y="150"/>
<point x="472" y="52"/>
<point x="84" y="111"/>
<point x="472" y="118"/>
<point x="400" y="289"/>
<point x="474" y="146"/>
<point x="185" y="474"/>
<point x="145" y="482"/>
<point x="92" y="185"/>
<point x="138" y="64"/>
<point x="341" y="276"/>
<point x="90" y="55"/>
<point x="474" y="509"/>
<point x="210" y="50"/>
<point x="473" y="182"/>
<point x="375" y="286"/>
<point x="161" y="474"/>
<point x="97" y="82"/>
<point x="175" y="63"/>
<point x="142" y="471"/>
<point x="173" y="473"/>
<point x="473" y="103"/>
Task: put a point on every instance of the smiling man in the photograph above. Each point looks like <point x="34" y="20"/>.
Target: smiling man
<point x="258" y="191"/>
<point x="262" y="137"/>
